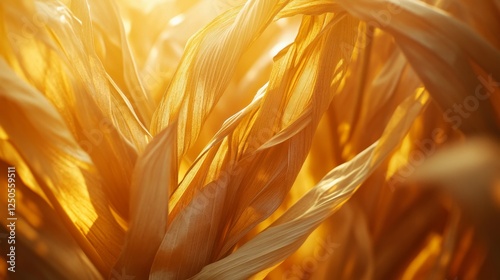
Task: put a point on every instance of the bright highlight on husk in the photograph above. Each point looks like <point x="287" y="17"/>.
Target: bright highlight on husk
<point x="292" y="139"/>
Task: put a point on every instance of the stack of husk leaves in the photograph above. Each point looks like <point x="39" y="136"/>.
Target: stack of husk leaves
<point x="291" y="139"/>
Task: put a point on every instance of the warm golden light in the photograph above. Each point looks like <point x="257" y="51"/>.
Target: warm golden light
<point x="258" y="139"/>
